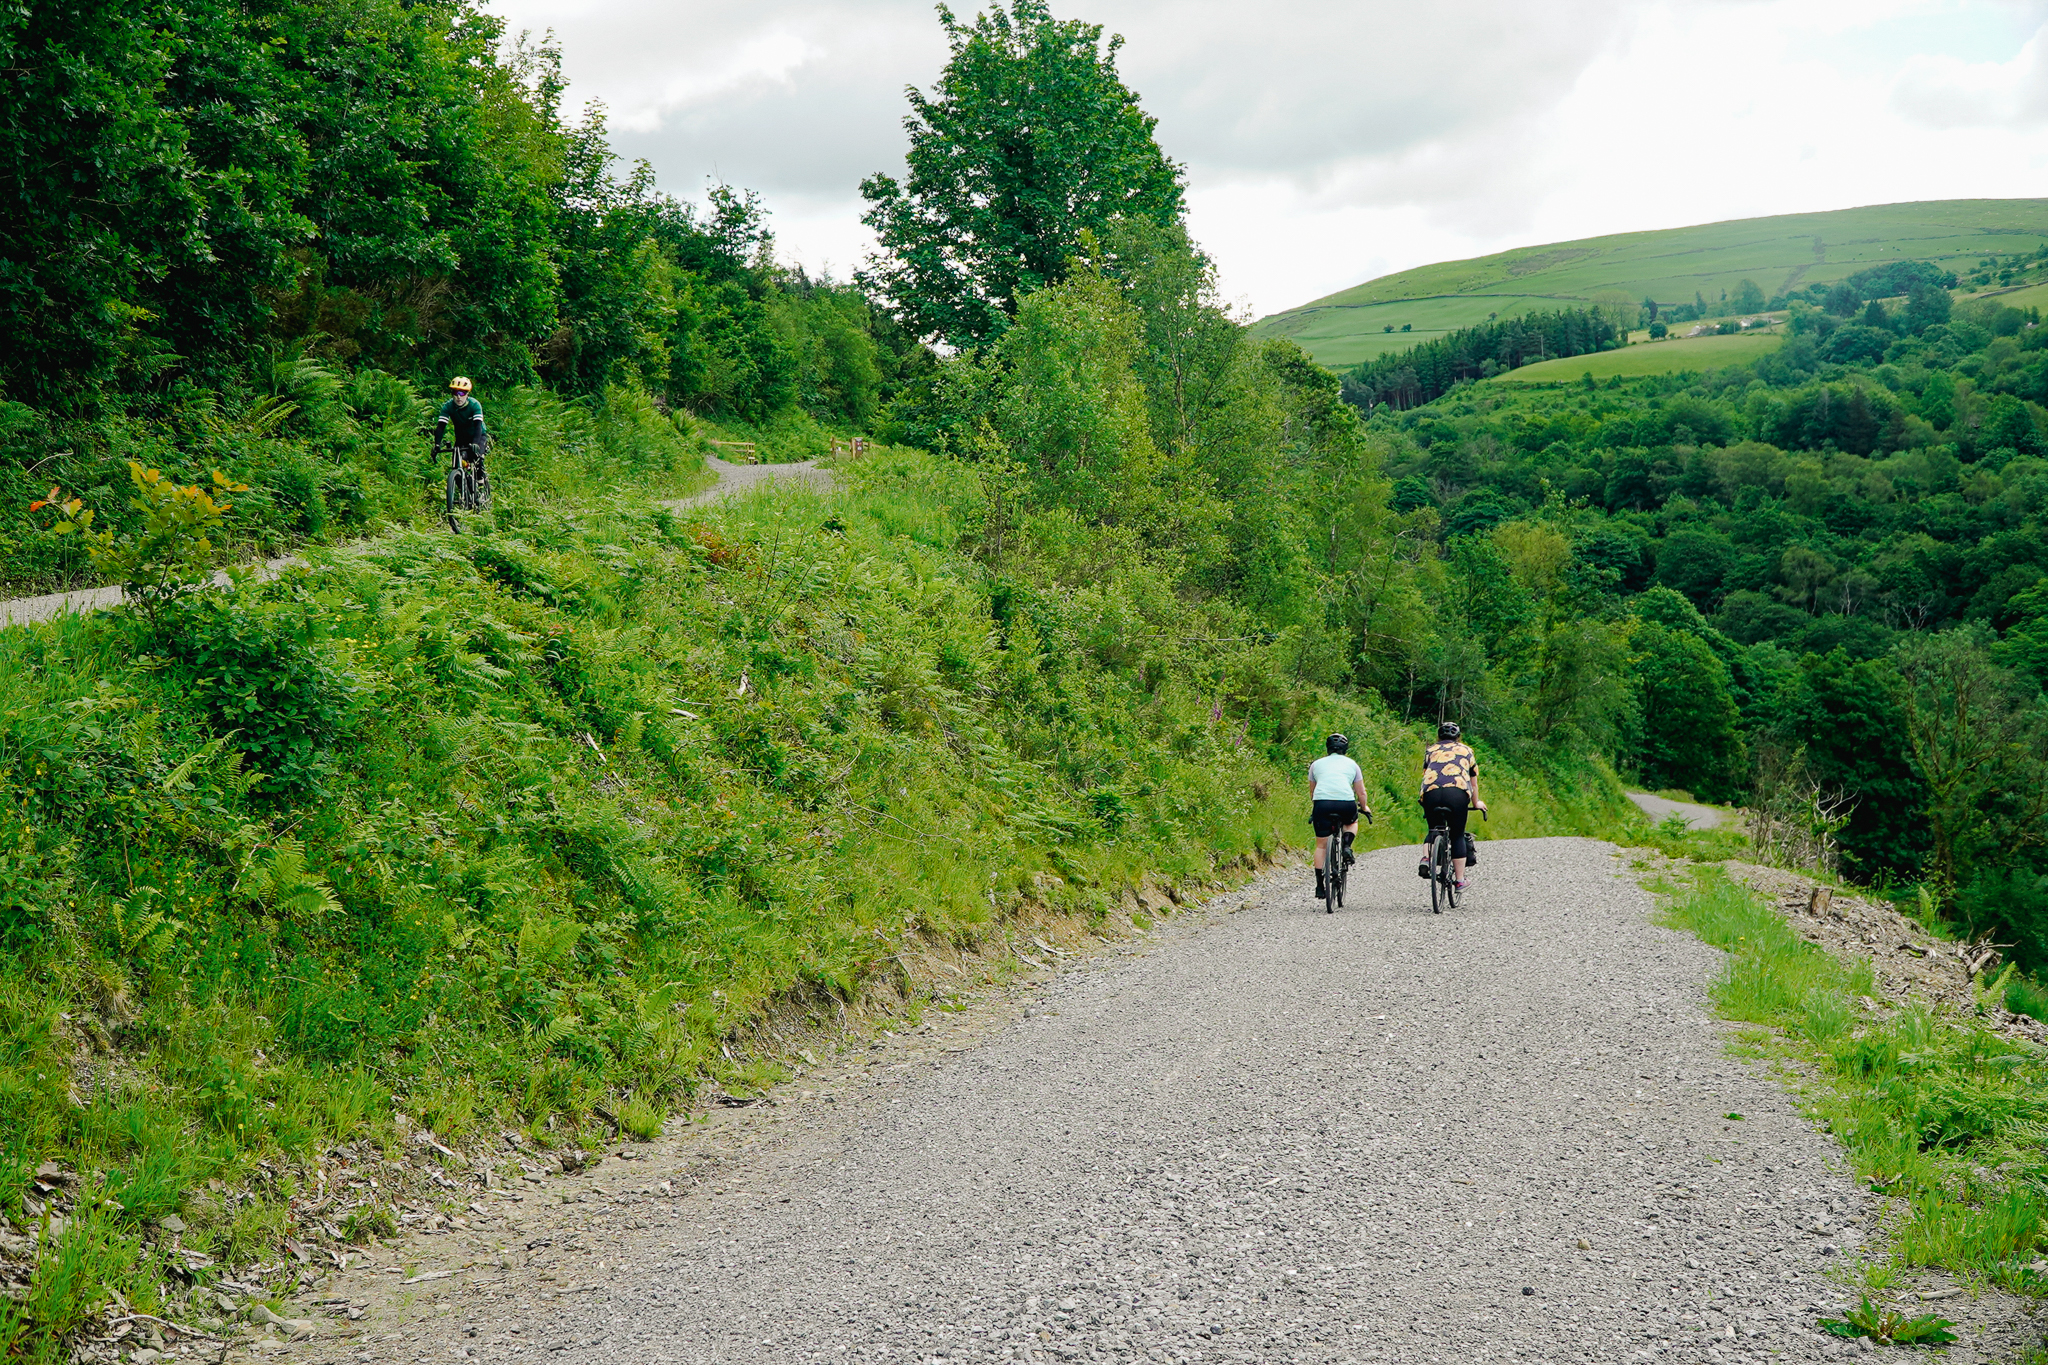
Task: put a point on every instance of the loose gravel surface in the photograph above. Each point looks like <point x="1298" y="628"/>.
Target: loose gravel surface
<point x="739" y="478"/>
<point x="1695" y="815"/>
<point x="732" y="478"/>
<point x="1510" y="1132"/>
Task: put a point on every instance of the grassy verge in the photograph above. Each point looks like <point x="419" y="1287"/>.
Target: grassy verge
<point x="1940" y="1113"/>
<point x="1674" y="838"/>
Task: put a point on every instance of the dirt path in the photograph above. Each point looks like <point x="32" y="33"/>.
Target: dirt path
<point x="1511" y="1132"/>
<point x="732" y="478"/>
<point x="1660" y="808"/>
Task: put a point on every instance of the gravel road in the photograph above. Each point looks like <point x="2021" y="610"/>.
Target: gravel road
<point x="738" y="478"/>
<point x="1662" y="808"/>
<point x="1507" y="1133"/>
<point x="732" y="478"/>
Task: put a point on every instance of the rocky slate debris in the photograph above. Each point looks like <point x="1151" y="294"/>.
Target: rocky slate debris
<point x="1910" y="965"/>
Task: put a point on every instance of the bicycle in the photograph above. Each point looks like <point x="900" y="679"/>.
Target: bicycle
<point x="1336" y="870"/>
<point x="1443" y="880"/>
<point x="469" y="487"/>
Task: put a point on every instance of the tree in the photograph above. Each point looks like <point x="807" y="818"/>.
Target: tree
<point x="1749" y="297"/>
<point x="1977" y="744"/>
<point x="2009" y="426"/>
<point x="1029" y="140"/>
<point x="1927" y="305"/>
<point x="1691" y="730"/>
<point x="1695" y="563"/>
<point x="1845" y="715"/>
<point x="1072" y="412"/>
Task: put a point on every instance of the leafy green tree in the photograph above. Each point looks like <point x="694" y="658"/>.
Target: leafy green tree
<point x="1029" y="139"/>
<point x="1691" y="730"/>
<point x="101" y="196"/>
<point x="1977" y="742"/>
<point x="1926" y="306"/>
<point x="2024" y="649"/>
<point x="2009" y="426"/>
<point x="1749" y="297"/>
<point x="1073" y="414"/>
<point x="1845" y="714"/>
<point x="1695" y="563"/>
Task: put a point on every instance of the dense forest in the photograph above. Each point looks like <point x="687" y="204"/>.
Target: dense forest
<point x="1825" y="573"/>
<point x="243" y="234"/>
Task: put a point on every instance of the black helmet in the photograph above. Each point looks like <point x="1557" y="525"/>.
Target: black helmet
<point x="1448" y="730"/>
<point x="1337" y="744"/>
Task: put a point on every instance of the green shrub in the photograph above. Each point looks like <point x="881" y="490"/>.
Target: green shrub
<point x="256" y="666"/>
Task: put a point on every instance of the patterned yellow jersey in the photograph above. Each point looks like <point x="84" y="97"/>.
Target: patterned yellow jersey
<point x="1448" y="765"/>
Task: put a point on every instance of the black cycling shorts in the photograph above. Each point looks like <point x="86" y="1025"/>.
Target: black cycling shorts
<point x="1448" y="807"/>
<point x="1331" y="816"/>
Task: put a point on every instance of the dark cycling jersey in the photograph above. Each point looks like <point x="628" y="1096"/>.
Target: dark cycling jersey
<point x="465" y="424"/>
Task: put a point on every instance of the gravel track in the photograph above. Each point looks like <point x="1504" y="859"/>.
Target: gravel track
<point x="1503" y="1133"/>
<point x="739" y="478"/>
<point x="732" y="478"/>
<point x="1663" y="807"/>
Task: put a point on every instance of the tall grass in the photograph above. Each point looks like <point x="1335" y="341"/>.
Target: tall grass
<point x="1938" y="1111"/>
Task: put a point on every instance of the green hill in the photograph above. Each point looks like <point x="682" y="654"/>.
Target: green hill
<point x="1673" y="265"/>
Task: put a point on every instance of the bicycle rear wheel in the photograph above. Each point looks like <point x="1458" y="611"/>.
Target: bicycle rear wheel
<point x="1436" y="874"/>
<point x="1333" y="868"/>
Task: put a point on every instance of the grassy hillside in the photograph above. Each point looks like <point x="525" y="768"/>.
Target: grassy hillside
<point x="1675" y="356"/>
<point x="1780" y="254"/>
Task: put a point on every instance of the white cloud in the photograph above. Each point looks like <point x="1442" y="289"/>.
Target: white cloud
<point x="1943" y="92"/>
<point x="1330" y="140"/>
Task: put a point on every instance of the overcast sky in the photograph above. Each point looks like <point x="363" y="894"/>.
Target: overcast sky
<point x="1327" y="143"/>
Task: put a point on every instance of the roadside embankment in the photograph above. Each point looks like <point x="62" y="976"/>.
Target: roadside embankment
<point x="1899" y="1045"/>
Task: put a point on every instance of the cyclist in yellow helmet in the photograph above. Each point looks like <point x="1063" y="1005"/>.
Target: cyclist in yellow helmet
<point x="462" y="418"/>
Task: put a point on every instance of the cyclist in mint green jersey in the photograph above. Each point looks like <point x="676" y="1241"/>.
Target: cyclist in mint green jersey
<point x="1336" y="797"/>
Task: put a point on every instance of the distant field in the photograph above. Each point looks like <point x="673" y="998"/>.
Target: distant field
<point x="1657" y="357"/>
<point x="2033" y="296"/>
<point x="1671" y="266"/>
<point x="1343" y="337"/>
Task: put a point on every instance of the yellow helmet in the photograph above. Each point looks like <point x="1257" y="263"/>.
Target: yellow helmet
<point x="460" y="383"/>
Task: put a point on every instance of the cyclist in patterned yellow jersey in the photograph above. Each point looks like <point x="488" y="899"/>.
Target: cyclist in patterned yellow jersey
<point x="1450" y="791"/>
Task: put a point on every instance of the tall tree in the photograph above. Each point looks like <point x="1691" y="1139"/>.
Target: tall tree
<point x="1028" y="140"/>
